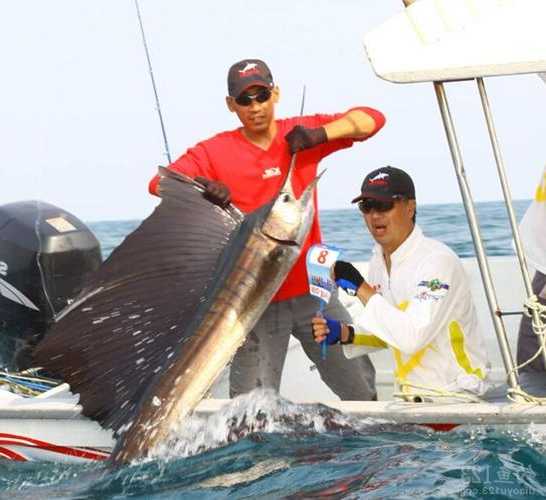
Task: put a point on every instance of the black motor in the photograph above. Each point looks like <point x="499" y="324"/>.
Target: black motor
<point x="46" y="255"/>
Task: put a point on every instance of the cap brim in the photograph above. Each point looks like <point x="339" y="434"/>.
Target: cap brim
<point x="372" y="196"/>
<point x="358" y="198"/>
<point x="258" y="83"/>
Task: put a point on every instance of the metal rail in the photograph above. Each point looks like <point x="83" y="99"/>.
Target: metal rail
<point x="496" y="313"/>
<point x="507" y="198"/>
<point x="489" y="288"/>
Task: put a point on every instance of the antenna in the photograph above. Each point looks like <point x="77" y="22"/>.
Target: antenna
<point x="158" y="107"/>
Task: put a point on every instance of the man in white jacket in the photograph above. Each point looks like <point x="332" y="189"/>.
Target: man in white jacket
<point x="417" y="299"/>
<point x="533" y="237"/>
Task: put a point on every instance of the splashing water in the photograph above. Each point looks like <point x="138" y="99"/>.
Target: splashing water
<point x="263" y="445"/>
<point x="260" y="411"/>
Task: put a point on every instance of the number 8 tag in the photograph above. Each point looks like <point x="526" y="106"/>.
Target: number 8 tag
<point x="320" y="259"/>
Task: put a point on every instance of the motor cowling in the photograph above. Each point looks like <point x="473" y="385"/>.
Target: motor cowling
<point x="46" y="256"/>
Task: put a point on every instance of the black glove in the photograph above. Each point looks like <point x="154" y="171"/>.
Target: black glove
<point x="347" y="276"/>
<point x="300" y="138"/>
<point x="215" y="191"/>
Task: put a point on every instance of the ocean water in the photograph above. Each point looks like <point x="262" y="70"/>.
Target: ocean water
<point x="345" y="229"/>
<point x="264" y="446"/>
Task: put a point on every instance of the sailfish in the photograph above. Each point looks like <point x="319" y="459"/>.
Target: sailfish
<point x="158" y="322"/>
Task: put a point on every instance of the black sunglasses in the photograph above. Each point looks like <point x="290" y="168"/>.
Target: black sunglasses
<point x="368" y="204"/>
<point x="262" y="95"/>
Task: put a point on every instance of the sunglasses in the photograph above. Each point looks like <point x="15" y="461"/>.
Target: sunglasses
<point x="262" y="95"/>
<point x="368" y="204"/>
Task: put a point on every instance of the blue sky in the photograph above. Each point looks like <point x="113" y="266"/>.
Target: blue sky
<point x="79" y="127"/>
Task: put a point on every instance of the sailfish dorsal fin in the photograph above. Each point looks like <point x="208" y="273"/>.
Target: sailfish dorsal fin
<point x="132" y="317"/>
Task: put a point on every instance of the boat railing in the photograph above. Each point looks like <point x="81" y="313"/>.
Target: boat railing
<point x="531" y="306"/>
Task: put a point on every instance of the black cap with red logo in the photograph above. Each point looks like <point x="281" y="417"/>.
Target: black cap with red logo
<point x="386" y="183"/>
<point x="245" y="74"/>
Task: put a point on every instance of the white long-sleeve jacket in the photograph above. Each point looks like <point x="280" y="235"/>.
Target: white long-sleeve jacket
<point x="424" y="311"/>
<point x="533" y="228"/>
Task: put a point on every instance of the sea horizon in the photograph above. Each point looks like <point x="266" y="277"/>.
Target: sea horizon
<point x="321" y="210"/>
<point x="344" y="228"/>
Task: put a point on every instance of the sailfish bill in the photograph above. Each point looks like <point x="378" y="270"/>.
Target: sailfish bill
<point x="166" y="312"/>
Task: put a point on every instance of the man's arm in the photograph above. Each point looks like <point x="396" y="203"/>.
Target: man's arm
<point x="357" y="123"/>
<point x="195" y="163"/>
<point x="409" y="326"/>
<point x="413" y="324"/>
<point x="336" y="332"/>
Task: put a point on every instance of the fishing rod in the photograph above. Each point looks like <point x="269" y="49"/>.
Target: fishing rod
<point x="323" y="344"/>
<point x="150" y="70"/>
<point x="302" y="100"/>
<point x="294" y="156"/>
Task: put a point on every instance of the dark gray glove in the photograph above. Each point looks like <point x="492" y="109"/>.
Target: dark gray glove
<point x="215" y="191"/>
<point x="300" y="138"/>
<point x="347" y="276"/>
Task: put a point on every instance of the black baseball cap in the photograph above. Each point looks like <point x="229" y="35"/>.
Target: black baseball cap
<point x="386" y="183"/>
<point x="245" y="74"/>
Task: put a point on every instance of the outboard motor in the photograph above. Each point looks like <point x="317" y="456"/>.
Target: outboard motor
<point x="46" y="255"/>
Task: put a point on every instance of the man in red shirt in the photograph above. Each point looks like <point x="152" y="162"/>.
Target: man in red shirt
<point x="247" y="166"/>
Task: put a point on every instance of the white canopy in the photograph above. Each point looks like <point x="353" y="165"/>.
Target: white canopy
<point x="439" y="40"/>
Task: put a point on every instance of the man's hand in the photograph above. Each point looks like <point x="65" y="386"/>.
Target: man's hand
<point x="215" y="191"/>
<point x="300" y="138"/>
<point x="347" y="277"/>
<point x="326" y="329"/>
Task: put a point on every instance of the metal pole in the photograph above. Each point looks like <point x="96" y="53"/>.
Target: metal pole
<point x="507" y="196"/>
<point x="498" y="324"/>
<point x="158" y="107"/>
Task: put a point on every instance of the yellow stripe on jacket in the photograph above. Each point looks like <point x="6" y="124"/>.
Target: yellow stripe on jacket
<point x="456" y="336"/>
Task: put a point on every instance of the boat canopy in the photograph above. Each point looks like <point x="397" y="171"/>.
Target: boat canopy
<point x="436" y="40"/>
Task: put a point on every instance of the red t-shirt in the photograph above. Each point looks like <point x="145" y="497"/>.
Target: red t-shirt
<point x="254" y="176"/>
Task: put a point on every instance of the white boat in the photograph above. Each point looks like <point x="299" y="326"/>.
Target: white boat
<point x="51" y="426"/>
<point x="426" y="46"/>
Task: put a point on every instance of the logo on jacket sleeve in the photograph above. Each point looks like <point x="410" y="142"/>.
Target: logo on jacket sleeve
<point x="431" y="290"/>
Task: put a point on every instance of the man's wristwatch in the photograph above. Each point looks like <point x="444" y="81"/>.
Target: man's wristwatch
<point x="351" y="336"/>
